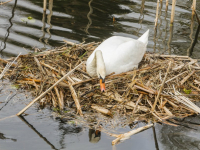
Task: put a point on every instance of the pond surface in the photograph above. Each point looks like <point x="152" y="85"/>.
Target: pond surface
<point x="78" y="21"/>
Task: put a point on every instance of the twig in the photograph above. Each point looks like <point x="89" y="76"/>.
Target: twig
<point x="5" y="2"/>
<point x="160" y="90"/>
<point x="40" y="67"/>
<point x="128" y="134"/>
<point x="102" y="110"/>
<point x="44" y="93"/>
<point x="187" y="77"/>
<point x="176" y="76"/>
<point x="76" y="100"/>
<point x="8" y="66"/>
<point x="60" y="101"/>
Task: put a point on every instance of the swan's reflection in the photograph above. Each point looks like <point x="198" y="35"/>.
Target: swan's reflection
<point x="94" y="135"/>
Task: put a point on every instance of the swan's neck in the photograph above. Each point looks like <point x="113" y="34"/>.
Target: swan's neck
<point x="97" y="66"/>
<point x="101" y="69"/>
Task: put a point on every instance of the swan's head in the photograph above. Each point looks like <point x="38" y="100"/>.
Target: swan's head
<point x="101" y="73"/>
<point x="101" y="69"/>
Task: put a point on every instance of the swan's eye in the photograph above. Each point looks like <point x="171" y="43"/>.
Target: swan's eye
<point x="103" y="79"/>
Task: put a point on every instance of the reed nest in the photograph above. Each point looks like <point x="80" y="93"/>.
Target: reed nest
<point x="163" y="87"/>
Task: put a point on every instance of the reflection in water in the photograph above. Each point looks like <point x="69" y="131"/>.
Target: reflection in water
<point x="141" y="17"/>
<point x="179" y="138"/>
<point x="88" y="16"/>
<point x="67" y="128"/>
<point x="170" y="38"/>
<point x="193" y="42"/>
<point x="155" y="138"/>
<point x="2" y="137"/>
<point x="11" y="24"/>
<point x="37" y="132"/>
<point x="94" y="135"/>
<point x="49" y="19"/>
<point x="75" y="21"/>
<point x="166" y="27"/>
<point x="43" y="22"/>
<point x="190" y="50"/>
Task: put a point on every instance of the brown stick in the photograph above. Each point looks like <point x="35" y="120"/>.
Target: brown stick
<point x="128" y="134"/>
<point x="156" y="20"/>
<point x="173" y="11"/>
<point x="160" y="90"/>
<point x="187" y="77"/>
<point x="76" y="100"/>
<point x="60" y="101"/>
<point x="176" y="76"/>
<point x="39" y="65"/>
<point x="44" y="93"/>
<point x="5" y="2"/>
<point x="144" y="89"/>
<point x="196" y="88"/>
<point x="102" y="110"/>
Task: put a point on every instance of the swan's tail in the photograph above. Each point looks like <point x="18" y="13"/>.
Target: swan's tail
<point x="144" y="37"/>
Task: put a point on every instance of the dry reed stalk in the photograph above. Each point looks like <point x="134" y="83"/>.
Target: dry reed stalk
<point x="60" y="101"/>
<point x="173" y="11"/>
<point x="130" y="133"/>
<point x="69" y="43"/>
<point x="156" y="115"/>
<point x="53" y="100"/>
<point x="156" y="20"/>
<point x="5" y="2"/>
<point x="81" y="82"/>
<point x="35" y="80"/>
<point x="160" y="90"/>
<point x="44" y="93"/>
<point x="39" y="65"/>
<point x="44" y="5"/>
<point x="187" y="77"/>
<point x="102" y="110"/>
<point x="48" y="66"/>
<point x="193" y="7"/>
<point x="142" y="108"/>
<point x="196" y="88"/>
<point x="140" y="97"/>
<point x="176" y="76"/>
<point x="187" y="102"/>
<point x="6" y="62"/>
<point x="76" y="100"/>
<point x="168" y="112"/>
<point x="170" y="56"/>
<point x="167" y="3"/>
<point x="119" y="98"/>
<point x="171" y="103"/>
<point x="8" y="65"/>
<point x="138" y="100"/>
<point x="144" y="89"/>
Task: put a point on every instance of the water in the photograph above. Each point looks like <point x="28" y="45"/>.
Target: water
<point x="78" y="21"/>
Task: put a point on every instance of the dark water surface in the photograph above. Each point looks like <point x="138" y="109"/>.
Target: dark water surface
<point x="78" y="21"/>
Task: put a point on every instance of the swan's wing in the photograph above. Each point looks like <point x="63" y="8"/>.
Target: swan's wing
<point x="125" y="57"/>
<point x="131" y="51"/>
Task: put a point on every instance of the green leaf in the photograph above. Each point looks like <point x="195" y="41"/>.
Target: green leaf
<point x="30" y="18"/>
<point x="187" y="91"/>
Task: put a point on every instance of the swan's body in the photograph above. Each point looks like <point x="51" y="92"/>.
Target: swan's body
<point x="116" y="54"/>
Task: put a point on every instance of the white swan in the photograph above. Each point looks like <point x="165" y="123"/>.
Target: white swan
<point x="116" y="54"/>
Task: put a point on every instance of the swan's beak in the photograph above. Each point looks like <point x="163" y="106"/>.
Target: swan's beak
<point x="102" y="86"/>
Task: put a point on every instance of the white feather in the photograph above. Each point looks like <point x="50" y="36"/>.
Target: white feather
<point x="120" y="54"/>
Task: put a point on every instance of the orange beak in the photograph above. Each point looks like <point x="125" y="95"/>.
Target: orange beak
<point x="102" y="86"/>
<point x="97" y="132"/>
